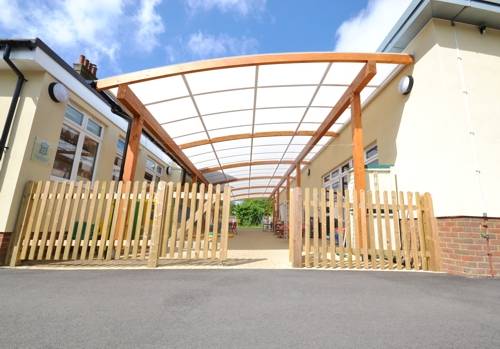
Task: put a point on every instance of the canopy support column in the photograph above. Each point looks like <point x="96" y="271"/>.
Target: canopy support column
<point x="358" y="159"/>
<point x="132" y="151"/>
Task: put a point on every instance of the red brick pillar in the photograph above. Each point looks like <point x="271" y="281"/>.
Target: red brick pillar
<point x="470" y="246"/>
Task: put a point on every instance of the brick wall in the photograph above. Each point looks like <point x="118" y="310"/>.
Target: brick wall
<point x="463" y="249"/>
<point x="4" y="245"/>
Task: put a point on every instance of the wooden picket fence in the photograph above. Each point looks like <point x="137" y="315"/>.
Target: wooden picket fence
<point x="61" y="221"/>
<point x="368" y="230"/>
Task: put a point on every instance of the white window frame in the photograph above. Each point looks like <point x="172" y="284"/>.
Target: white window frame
<point x="154" y="172"/>
<point x="82" y="133"/>
<point x="117" y="154"/>
<point x="369" y="160"/>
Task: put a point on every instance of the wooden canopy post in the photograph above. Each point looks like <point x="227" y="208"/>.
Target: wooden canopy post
<point x="132" y="151"/>
<point x="298" y="181"/>
<point x="295" y="226"/>
<point x="358" y="161"/>
<point x="358" y="158"/>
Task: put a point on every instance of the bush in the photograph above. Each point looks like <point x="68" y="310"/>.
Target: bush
<point x="251" y="211"/>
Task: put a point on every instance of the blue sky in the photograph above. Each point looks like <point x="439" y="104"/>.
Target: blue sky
<point x="127" y="35"/>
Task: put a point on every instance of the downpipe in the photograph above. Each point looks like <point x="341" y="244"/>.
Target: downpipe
<point x="13" y="103"/>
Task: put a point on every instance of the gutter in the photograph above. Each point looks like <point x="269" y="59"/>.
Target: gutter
<point x="14" y="101"/>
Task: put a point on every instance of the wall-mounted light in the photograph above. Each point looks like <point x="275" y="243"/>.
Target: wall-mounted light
<point x="405" y="84"/>
<point x="58" y="92"/>
<point x="168" y="170"/>
<point x="308" y="171"/>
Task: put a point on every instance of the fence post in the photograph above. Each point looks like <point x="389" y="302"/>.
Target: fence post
<point x="432" y="234"/>
<point x="295" y="226"/>
<point x="17" y="235"/>
<point x="226" y="205"/>
<point x="157" y="225"/>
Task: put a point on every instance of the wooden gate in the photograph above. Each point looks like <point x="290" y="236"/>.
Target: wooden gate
<point x="61" y="221"/>
<point x="366" y="230"/>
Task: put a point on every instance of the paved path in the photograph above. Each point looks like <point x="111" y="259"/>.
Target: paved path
<point x="245" y="309"/>
<point x="262" y="249"/>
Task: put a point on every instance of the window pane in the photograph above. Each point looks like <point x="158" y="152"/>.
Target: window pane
<point x="65" y="154"/>
<point x="150" y="165"/>
<point x="148" y="176"/>
<point x="371" y="152"/>
<point x="74" y="115"/>
<point x="94" y="127"/>
<point x="120" y="147"/>
<point x="87" y="159"/>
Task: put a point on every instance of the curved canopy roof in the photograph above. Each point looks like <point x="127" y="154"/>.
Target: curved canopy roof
<point x="245" y="120"/>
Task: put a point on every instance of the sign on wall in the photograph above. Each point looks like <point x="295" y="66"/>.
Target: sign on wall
<point x="41" y="150"/>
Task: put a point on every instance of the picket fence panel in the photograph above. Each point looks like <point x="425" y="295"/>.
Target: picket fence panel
<point x="365" y="230"/>
<point x="107" y="220"/>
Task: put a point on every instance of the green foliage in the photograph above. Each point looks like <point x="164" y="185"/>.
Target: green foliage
<point x="250" y="212"/>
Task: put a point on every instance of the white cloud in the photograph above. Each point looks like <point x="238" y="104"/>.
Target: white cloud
<point x="98" y="29"/>
<point x="70" y="23"/>
<point x="242" y="7"/>
<point x="202" y="45"/>
<point x="367" y="30"/>
<point x="150" y="25"/>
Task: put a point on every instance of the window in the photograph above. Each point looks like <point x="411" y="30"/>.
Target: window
<point x="78" y="147"/>
<point x="371" y="156"/>
<point x="117" y="164"/>
<point x="153" y="171"/>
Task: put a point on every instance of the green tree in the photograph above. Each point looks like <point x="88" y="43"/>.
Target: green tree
<point x="251" y="211"/>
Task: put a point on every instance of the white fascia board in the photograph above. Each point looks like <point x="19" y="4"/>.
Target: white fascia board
<point x="76" y="86"/>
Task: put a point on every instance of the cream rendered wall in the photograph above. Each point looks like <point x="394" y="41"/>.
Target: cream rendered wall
<point x="11" y="177"/>
<point x="440" y="139"/>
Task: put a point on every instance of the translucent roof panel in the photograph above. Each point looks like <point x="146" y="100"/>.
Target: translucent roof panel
<point x="328" y="96"/>
<point x="230" y="119"/>
<point x="291" y="74"/>
<point x="235" y="158"/>
<point x="177" y="109"/>
<point x="184" y="127"/>
<point x="221" y="79"/>
<point x="272" y="140"/>
<point x="227" y="131"/>
<point x="309" y="126"/>
<point x="207" y="148"/>
<point x="316" y="114"/>
<point x="342" y="73"/>
<point x="189" y="138"/>
<point x="267" y="156"/>
<point x="284" y="126"/>
<point x="160" y="89"/>
<point x="269" y="148"/>
<point x="232" y="144"/>
<point x="284" y="96"/>
<point x="233" y="152"/>
<point x="276" y="115"/>
<point x="225" y="101"/>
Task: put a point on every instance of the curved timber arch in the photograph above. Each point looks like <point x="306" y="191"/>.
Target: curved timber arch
<point x="254" y="135"/>
<point x="249" y="163"/>
<point x="245" y="61"/>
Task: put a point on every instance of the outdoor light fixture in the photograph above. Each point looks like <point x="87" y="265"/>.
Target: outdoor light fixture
<point x="405" y="84"/>
<point x="168" y="170"/>
<point x="58" y="92"/>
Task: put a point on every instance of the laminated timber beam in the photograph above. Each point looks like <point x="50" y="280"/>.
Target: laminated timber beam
<point x="254" y="135"/>
<point x="245" y="61"/>
<point x="127" y="97"/>
<point x="231" y="180"/>
<point x="245" y="164"/>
